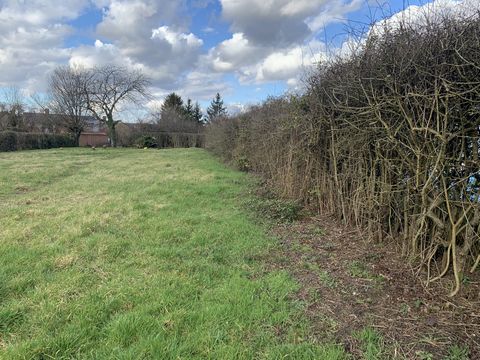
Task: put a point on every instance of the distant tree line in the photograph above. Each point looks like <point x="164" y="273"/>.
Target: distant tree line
<point x="74" y="95"/>
<point x="78" y="94"/>
<point x="22" y="130"/>
<point x="176" y="123"/>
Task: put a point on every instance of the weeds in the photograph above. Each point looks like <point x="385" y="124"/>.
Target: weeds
<point x="371" y="344"/>
<point x="458" y="353"/>
<point x="276" y="209"/>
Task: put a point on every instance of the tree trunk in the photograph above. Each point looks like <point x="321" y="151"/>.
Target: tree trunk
<point x="111" y="130"/>
<point x="112" y="134"/>
<point x="77" y="138"/>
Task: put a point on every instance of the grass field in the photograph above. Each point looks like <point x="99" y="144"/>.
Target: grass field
<point x="139" y="254"/>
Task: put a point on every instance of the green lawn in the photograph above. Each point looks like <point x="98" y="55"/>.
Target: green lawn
<point x="139" y="254"/>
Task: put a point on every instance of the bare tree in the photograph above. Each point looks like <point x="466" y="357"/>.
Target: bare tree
<point x="14" y="107"/>
<point x="107" y="87"/>
<point x="68" y="98"/>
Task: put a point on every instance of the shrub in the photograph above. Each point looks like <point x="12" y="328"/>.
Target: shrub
<point x="276" y="209"/>
<point x="8" y="141"/>
<point x="387" y="139"/>
<point x="147" y="141"/>
<point x="11" y="141"/>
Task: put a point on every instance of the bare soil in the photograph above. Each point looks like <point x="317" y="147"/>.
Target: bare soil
<point x="349" y="283"/>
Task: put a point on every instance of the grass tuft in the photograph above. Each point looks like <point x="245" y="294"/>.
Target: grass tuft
<point x="372" y="344"/>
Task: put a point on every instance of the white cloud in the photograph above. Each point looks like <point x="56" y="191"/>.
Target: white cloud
<point x="203" y="85"/>
<point x="39" y="12"/>
<point x="145" y="34"/>
<point x="139" y="35"/>
<point x="178" y="41"/>
<point x="434" y="11"/>
<point x="97" y="55"/>
<point x="273" y="40"/>
<point x="236" y="108"/>
<point x="31" y="39"/>
<point x="235" y="52"/>
<point x="333" y="11"/>
<point x="290" y="64"/>
<point x="270" y="22"/>
<point x="416" y="16"/>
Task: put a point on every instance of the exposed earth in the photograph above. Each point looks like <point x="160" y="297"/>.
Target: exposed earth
<point x="351" y="283"/>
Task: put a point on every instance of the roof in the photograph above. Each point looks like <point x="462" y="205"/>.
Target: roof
<point x="93" y="125"/>
<point x="44" y="116"/>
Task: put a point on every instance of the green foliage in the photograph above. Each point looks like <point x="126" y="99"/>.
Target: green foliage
<point x="127" y="254"/>
<point x="147" y="141"/>
<point x="188" y="110"/>
<point x="172" y="108"/>
<point x="424" y="355"/>
<point x="242" y="163"/>
<point x="175" y="111"/>
<point x="327" y="279"/>
<point x="197" y="114"/>
<point x="371" y="344"/>
<point x="458" y="353"/>
<point x="192" y="112"/>
<point x="8" y="141"/>
<point x="216" y="109"/>
<point x="12" y="141"/>
<point x="172" y="101"/>
<point x="358" y="269"/>
<point x="276" y="209"/>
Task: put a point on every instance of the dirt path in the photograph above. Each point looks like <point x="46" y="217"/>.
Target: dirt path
<point x="349" y="284"/>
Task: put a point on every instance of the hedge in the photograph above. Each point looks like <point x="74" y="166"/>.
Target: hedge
<point x="386" y="139"/>
<point x="12" y="141"/>
<point x="170" y="140"/>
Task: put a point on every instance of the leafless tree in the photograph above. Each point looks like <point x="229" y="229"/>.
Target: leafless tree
<point x="13" y="109"/>
<point x="68" y="98"/>
<point x="108" y="87"/>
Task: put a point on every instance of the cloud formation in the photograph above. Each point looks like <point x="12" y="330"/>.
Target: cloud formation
<point x="275" y="40"/>
<point x="31" y="39"/>
<point x="248" y="42"/>
<point x="138" y="39"/>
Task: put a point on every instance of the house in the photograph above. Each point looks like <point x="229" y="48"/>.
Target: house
<point x="95" y="133"/>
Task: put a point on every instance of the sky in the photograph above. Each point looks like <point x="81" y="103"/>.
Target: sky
<point x="246" y="50"/>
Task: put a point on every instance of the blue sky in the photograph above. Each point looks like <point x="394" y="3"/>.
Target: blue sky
<point x="245" y="49"/>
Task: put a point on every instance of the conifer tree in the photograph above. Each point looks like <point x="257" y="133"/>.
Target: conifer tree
<point x="216" y="108"/>
<point x="197" y="114"/>
<point x="172" y="102"/>
<point x="189" y="110"/>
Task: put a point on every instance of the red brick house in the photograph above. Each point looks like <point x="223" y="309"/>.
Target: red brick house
<point x="95" y="133"/>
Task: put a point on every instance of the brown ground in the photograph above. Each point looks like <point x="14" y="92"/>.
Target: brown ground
<point x="350" y="283"/>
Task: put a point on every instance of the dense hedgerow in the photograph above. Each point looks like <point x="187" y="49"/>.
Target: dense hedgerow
<point x="386" y="139"/>
<point x="12" y="141"/>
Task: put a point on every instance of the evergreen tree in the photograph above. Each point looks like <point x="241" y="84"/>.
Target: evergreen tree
<point x="216" y="108"/>
<point x="172" y="108"/>
<point x="172" y="102"/>
<point x="197" y="114"/>
<point x="189" y="110"/>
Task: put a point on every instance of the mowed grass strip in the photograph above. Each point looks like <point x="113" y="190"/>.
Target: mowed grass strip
<point x="133" y="254"/>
